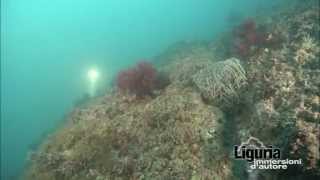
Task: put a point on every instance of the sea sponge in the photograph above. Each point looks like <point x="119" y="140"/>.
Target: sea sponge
<point x="220" y="81"/>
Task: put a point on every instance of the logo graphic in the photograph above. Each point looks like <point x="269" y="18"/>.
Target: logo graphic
<point x="260" y="156"/>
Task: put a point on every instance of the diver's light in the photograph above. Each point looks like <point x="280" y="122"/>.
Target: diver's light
<point x="93" y="74"/>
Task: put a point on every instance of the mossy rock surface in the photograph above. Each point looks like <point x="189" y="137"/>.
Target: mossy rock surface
<point x="172" y="136"/>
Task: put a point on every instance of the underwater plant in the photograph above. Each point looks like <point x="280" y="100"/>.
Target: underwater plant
<point x="139" y="80"/>
<point x="221" y="80"/>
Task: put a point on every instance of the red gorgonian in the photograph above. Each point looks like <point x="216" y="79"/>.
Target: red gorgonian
<point x="139" y="80"/>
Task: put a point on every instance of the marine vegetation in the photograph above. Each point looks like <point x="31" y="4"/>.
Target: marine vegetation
<point x="189" y="129"/>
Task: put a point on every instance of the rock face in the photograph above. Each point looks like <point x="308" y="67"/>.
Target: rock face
<point x="281" y="100"/>
<point x="173" y="136"/>
<point x="182" y="132"/>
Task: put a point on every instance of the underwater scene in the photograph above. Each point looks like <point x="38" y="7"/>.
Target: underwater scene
<point x="160" y="90"/>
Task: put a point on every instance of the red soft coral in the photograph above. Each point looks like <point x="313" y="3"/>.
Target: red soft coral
<point x="139" y="80"/>
<point x="247" y="35"/>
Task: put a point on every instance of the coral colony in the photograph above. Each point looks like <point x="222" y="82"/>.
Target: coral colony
<point x="246" y="36"/>
<point x="139" y="80"/>
<point x="220" y="81"/>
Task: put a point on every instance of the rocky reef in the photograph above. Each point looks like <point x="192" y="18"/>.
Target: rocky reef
<point x="212" y="101"/>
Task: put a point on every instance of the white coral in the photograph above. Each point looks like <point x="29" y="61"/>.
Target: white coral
<point x="307" y="50"/>
<point x="221" y="80"/>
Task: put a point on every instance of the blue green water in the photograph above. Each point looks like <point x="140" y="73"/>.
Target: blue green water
<point x="48" y="46"/>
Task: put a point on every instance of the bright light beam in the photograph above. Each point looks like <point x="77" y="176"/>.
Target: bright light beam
<point x="93" y="76"/>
